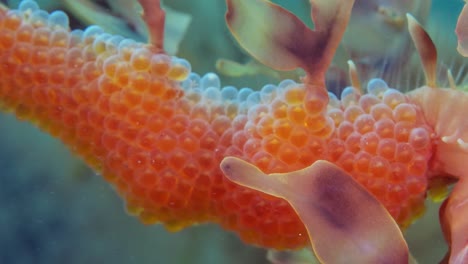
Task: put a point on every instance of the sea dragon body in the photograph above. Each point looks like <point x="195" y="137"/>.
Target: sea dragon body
<point x="158" y="132"/>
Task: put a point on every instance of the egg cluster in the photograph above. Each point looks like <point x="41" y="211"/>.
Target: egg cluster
<point x="158" y="132"/>
<point x="380" y="138"/>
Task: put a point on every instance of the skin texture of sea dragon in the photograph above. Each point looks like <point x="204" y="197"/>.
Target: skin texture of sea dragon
<point x="158" y="132"/>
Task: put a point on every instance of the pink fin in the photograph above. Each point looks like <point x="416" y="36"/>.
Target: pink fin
<point x="277" y="38"/>
<point x="426" y="49"/>
<point x="154" y="17"/>
<point x="346" y="224"/>
<point x="453" y="218"/>
<point x="462" y="31"/>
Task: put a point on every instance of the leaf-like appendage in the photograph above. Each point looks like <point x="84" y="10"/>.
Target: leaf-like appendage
<point x="280" y="40"/>
<point x="346" y="224"/>
<point x="154" y="17"/>
<point x="462" y="31"/>
<point x="426" y="49"/>
<point x="453" y="215"/>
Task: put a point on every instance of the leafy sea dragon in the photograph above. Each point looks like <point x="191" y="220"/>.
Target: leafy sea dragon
<point x="345" y="175"/>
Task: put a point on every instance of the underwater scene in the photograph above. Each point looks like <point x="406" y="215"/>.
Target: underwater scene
<point x="215" y="131"/>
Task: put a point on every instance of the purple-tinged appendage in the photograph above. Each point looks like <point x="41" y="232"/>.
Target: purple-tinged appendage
<point x="345" y="223"/>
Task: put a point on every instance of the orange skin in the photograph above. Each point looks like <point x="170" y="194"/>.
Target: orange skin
<point x="125" y="112"/>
